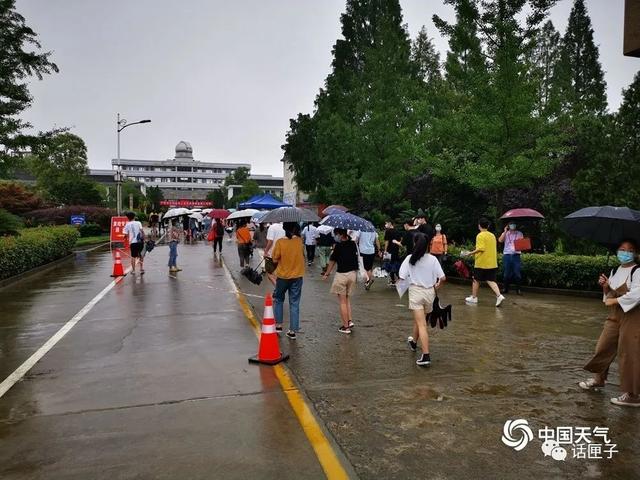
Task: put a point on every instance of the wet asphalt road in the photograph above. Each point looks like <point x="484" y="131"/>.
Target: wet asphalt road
<point x="152" y="383"/>
<point x="396" y="420"/>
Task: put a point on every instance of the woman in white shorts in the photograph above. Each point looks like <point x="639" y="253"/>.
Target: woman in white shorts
<point x="424" y="274"/>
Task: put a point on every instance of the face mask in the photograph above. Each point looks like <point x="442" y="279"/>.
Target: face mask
<point x="512" y="226"/>
<point x="438" y="229"/>
<point x="625" y="257"/>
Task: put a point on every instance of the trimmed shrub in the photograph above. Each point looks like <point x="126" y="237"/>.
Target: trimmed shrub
<point x="572" y="272"/>
<point x="9" y="224"/>
<point x="61" y="216"/>
<point x="35" y="247"/>
<point x="90" y="230"/>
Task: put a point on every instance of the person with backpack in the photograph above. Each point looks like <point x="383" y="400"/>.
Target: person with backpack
<point x="134" y="230"/>
<point x="438" y="246"/>
<point x="621" y="332"/>
<point x="425" y="276"/>
<point x="218" y="235"/>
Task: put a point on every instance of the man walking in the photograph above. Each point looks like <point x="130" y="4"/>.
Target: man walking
<point x="133" y="229"/>
<point x="325" y="242"/>
<point x="486" y="263"/>
<point x="309" y="235"/>
<point x="345" y="256"/>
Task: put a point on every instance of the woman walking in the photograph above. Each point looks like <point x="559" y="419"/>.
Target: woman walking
<point x="511" y="257"/>
<point x="425" y="276"/>
<point x="218" y="235"/>
<point x="438" y="246"/>
<point x="621" y="332"/>
<point x="243" y="239"/>
<point x="289" y="257"/>
<point x="174" y="240"/>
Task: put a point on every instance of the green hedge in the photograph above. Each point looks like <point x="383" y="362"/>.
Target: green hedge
<point x="574" y="272"/>
<point x="35" y="247"/>
<point x="90" y="230"/>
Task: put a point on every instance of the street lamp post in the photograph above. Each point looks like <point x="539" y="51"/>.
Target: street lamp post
<point x="121" y="125"/>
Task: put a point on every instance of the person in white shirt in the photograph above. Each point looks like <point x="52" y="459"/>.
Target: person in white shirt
<point x="133" y="229"/>
<point x="274" y="233"/>
<point x="368" y="244"/>
<point x="309" y="235"/>
<point x="619" y="337"/>
<point x="424" y="274"/>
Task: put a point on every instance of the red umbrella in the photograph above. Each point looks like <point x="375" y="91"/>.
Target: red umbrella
<point x="219" y="213"/>
<point x="521" y="213"/>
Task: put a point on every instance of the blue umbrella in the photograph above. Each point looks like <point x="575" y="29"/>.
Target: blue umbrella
<point x="348" y="221"/>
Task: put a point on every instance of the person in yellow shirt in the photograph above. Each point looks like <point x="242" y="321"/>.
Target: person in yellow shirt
<point x="486" y="263"/>
<point x="289" y="257"/>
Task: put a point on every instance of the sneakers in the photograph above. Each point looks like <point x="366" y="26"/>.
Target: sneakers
<point x="351" y="324"/>
<point x="471" y="300"/>
<point x="279" y="328"/>
<point x="499" y="300"/>
<point x="291" y="334"/>
<point x="424" y="360"/>
<point x="412" y="344"/>
<point x="368" y="283"/>
<point x="626" y="400"/>
<point x="590" y="384"/>
<point x="344" y="330"/>
<point x="173" y="270"/>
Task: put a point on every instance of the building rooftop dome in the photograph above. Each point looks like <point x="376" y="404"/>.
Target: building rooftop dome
<point x="184" y="150"/>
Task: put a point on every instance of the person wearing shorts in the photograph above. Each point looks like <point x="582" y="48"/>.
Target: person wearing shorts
<point x="486" y="263"/>
<point x="345" y="256"/>
<point x="368" y="244"/>
<point x="133" y="229"/>
<point x="425" y="276"/>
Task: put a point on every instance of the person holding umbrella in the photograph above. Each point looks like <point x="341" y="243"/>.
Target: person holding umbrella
<point x="621" y="332"/>
<point x="289" y="257"/>
<point x="511" y="257"/>
<point x="345" y="256"/>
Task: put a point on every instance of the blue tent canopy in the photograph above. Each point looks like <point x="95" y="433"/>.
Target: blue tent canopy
<point x="263" y="202"/>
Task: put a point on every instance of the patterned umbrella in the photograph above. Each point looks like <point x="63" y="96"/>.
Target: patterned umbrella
<point x="333" y="209"/>
<point x="219" y="213"/>
<point x="290" y="214"/>
<point x="348" y="221"/>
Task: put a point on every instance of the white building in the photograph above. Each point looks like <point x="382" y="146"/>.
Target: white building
<point x="184" y="177"/>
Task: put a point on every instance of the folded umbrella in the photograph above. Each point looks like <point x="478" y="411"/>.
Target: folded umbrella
<point x="605" y="225"/>
<point x="348" y="221"/>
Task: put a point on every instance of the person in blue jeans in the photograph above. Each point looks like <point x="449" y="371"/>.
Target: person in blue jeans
<point x="511" y="264"/>
<point x="289" y="257"/>
<point x="174" y="239"/>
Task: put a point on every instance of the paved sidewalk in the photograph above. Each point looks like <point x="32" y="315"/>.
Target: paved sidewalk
<point x="152" y="383"/>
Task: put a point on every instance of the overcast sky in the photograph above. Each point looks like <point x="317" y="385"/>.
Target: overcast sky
<point x="224" y="75"/>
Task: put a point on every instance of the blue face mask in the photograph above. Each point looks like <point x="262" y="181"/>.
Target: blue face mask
<point x="512" y="226"/>
<point x="625" y="257"/>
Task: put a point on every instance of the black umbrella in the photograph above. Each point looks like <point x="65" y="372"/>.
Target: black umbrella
<point x="607" y="225"/>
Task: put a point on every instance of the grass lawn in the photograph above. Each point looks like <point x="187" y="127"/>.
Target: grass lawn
<point x="82" y="242"/>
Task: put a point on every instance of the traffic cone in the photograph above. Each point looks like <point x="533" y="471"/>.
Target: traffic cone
<point x="118" y="271"/>
<point x="269" y="350"/>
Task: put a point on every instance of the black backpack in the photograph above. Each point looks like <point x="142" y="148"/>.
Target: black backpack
<point x="326" y="240"/>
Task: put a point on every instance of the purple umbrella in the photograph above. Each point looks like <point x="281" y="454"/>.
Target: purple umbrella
<point x="522" y="213"/>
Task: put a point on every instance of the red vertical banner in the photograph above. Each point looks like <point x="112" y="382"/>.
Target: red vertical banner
<point x="117" y="230"/>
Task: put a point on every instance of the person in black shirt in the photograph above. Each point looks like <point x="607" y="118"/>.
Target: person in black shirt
<point x="392" y="250"/>
<point x="345" y="256"/>
<point x="424" y="227"/>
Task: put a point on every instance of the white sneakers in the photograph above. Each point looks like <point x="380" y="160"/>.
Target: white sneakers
<point x="471" y="300"/>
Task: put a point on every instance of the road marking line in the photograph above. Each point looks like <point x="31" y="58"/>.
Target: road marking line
<point x="327" y="457"/>
<point x="28" y="364"/>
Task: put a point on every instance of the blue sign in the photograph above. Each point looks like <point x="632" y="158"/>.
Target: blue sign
<point x="78" y="219"/>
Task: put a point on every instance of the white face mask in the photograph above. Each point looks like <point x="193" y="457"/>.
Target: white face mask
<point x="438" y="229"/>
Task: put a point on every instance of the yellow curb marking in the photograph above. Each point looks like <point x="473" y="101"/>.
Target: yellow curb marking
<point x="332" y="467"/>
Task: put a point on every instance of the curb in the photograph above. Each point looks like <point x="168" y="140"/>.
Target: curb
<point x="549" y="291"/>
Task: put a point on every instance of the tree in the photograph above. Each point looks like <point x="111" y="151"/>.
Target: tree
<point x="492" y="138"/>
<point x="217" y="197"/>
<point x="426" y="57"/>
<point x="57" y="157"/>
<point x="356" y="147"/>
<point x="74" y="191"/>
<point x="131" y="188"/>
<point x="546" y="56"/>
<point x="20" y="58"/>
<point x="154" y="196"/>
<point x="579" y="78"/>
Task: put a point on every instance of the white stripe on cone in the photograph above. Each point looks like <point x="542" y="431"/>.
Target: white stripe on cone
<point x="268" y="312"/>
<point x="268" y="329"/>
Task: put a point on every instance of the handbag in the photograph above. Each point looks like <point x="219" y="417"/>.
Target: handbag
<point x="522" y="244"/>
<point x="212" y="235"/>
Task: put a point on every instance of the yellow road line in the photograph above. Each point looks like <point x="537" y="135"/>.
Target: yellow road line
<point x="327" y="457"/>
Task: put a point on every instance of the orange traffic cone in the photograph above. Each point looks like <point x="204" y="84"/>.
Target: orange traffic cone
<point x="118" y="271"/>
<point x="269" y="350"/>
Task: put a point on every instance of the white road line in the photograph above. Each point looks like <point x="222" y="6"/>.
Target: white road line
<point x="22" y="370"/>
